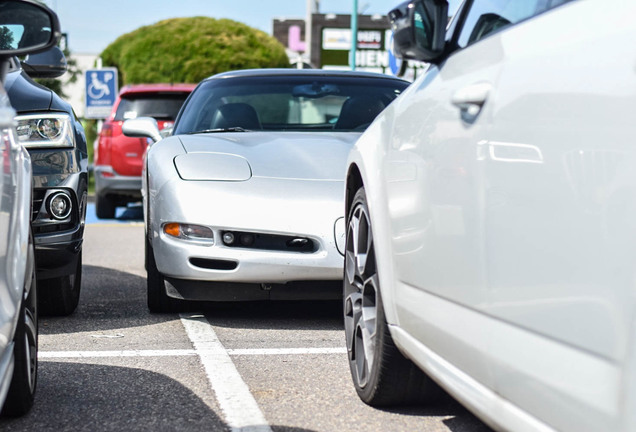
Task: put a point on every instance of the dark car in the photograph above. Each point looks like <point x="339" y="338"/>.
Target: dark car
<point x="55" y="139"/>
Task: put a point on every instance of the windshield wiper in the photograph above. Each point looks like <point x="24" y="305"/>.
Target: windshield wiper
<point x="230" y="129"/>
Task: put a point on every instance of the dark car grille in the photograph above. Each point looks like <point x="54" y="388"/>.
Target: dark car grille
<point x="38" y="199"/>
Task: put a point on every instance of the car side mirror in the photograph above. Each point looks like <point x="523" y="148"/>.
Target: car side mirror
<point x="47" y="64"/>
<point x="142" y="127"/>
<point x="419" y="29"/>
<point x="25" y="28"/>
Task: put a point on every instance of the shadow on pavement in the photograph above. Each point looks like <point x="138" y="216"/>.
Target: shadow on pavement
<point x="111" y="299"/>
<point x="91" y="397"/>
<point x="290" y="315"/>
<point x="94" y="397"/>
<point x="459" y="418"/>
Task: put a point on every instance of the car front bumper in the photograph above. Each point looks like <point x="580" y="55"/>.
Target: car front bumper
<point x="58" y="242"/>
<point x="300" y="209"/>
<point x="178" y="259"/>
<point x="56" y="259"/>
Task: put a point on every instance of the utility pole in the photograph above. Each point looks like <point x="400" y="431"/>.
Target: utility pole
<point x="354" y="35"/>
<point x="312" y="7"/>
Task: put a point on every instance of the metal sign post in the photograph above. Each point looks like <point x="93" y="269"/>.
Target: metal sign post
<point x="354" y="35"/>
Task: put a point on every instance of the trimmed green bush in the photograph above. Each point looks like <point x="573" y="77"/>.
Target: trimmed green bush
<point x="191" y="49"/>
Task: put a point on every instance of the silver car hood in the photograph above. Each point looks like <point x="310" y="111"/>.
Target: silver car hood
<point x="237" y="156"/>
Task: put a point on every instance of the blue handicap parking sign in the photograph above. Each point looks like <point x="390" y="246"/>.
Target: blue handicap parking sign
<point x="101" y="92"/>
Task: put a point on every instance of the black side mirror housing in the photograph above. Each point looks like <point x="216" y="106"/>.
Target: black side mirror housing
<point x="419" y="29"/>
<point x="26" y="27"/>
<point x="47" y="64"/>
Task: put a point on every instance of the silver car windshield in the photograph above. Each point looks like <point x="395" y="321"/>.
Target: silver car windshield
<point x="287" y="103"/>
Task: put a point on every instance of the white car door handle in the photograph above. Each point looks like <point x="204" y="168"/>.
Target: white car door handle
<point x="470" y="99"/>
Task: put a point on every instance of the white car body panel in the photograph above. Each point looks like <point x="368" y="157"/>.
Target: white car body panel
<point x="446" y="254"/>
<point x="505" y="246"/>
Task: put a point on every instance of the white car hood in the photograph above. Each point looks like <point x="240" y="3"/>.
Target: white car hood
<point x="237" y="156"/>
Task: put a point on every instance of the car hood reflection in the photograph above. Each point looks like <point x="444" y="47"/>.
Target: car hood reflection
<point x="285" y="155"/>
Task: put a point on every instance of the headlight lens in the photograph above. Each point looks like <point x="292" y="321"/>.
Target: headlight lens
<point x="45" y="130"/>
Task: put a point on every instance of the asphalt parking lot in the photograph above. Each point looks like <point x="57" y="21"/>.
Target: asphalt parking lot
<point x="113" y="366"/>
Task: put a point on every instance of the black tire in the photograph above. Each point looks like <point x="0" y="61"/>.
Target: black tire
<point x="25" y="373"/>
<point x="104" y="207"/>
<point x="158" y="300"/>
<point x="60" y="296"/>
<point x="381" y="374"/>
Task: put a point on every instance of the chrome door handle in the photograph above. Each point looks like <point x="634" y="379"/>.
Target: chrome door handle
<point x="472" y="98"/>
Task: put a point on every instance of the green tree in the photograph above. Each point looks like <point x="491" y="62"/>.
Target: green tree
<point x="191" y="49"/>
<point x="6" y="38"/>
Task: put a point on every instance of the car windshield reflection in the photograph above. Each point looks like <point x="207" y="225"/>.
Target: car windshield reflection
<point x="285" y="103"/>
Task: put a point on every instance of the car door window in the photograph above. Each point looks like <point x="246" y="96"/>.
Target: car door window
<point x="486" y="17"/>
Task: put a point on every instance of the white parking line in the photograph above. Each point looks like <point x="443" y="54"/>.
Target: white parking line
<point x="237" y="403"/>
<point x="240" y="409"/>
<point x="286" y="351"/>
<point x="44" y="355"/>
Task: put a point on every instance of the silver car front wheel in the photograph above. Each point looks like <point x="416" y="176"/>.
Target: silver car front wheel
<point x="158" y="300"/>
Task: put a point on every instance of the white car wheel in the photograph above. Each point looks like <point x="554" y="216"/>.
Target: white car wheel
<point x="381" y="374"/>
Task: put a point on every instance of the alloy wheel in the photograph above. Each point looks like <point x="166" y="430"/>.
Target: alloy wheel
<point x="360" y="294"/>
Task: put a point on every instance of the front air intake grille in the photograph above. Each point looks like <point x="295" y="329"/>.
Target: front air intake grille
<point x="213" y="264"/>
<point x="38" y="199"/>
<point x="273" y="242"/>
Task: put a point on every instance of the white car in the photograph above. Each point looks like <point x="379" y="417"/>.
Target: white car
<point x="25" y="27"/>
<point x="244" y="201"/>
<point x="491" y="217"/>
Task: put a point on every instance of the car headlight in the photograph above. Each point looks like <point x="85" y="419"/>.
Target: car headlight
<point x="45" y="130"/>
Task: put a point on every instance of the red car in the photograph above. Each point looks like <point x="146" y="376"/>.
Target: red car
<point x="117" y="157"/>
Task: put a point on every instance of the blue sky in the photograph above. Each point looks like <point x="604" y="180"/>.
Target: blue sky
<point x="92" y="25"/>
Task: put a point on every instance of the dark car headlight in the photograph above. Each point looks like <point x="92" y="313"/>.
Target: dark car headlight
<point x="45" y="130"/>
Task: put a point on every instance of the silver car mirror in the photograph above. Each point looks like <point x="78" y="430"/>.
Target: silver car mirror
<point x="142" y="127"/>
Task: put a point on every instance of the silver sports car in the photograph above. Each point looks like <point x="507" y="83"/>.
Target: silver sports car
<point x="244" y="201"/>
